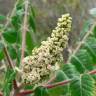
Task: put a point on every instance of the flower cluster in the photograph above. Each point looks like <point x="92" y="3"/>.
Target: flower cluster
<point x="45" y="59"/>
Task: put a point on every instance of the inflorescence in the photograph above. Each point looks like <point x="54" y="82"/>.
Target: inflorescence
<point x="46" y="59"/>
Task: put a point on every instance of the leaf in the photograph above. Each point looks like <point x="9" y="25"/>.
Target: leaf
<point x="12" y="51"/>
<point x="82" y="61"/>
<point x="70" y="70"/>
<point x="41" y="91"/>
<point x="19" y="56"/>
<point x="90" y="46"/>
<point x="94" y="32"/>
<point x="29" y="42"/>
<point x="9" y="77"/>
<point x="20" y="4"/>
<point x="32" y="10"/>
<point x="59" y="90"/>
<point x="2" y="17"/>
<point x="10" y="35"/>
<point x="1" y="51"/>
<point x="16" y="22"/>
<point x="83" y="86"/>
<point x="32" y="20"/>
<point x="20" y="12"/>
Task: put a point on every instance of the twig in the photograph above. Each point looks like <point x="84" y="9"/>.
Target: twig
<point x="11" y="65"/>
<point x="1" y="94"/>
<point x="92" y="72"/>
<point x="80" y="44"/>
<point x="8" y="58"/>
<point x="57" y="84"/>
<point x="26" y="92"/>
<point x="24" y="30"/>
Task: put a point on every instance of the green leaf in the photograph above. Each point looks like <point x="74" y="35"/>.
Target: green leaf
<point x="32" y="20"/>
<point x="20" y="12"/>
<point x="94" y="32"/>
<point x="41" y="91"/>
<point x="1" y="51"/>
<point x="10" y="35"/>
<point x="12" y="51"/>
<point x="29" y="42"/>
<point x="82" y="61"/>
<point x="32" y="11"/>
<point x="90" y="46"/>
<point x="59" y="90"/>
<point x="16" y="22"/>
<point x="2" y="17"/>
<point x="70" y="70"/>
<point x="82" y="86"/>
<point x="9" y="77"/>
<point x="20" y="4"/>
<point x="19" y="56"/>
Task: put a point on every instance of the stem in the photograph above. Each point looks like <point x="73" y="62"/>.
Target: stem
<point x="57" y="84"/>
<point x="80" y="44"/>
<point x="92" y="72"/>
<point x="24" y="31"/>
<point x="1" y="94"/>
<point x="11" y="65"/>
<point x="8" y="58"/>
<point x="26" y="92"/>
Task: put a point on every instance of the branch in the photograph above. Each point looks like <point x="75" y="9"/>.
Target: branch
<point x="80" y="44"/>
<point x="11" y="65"/>
<point x="8" y="58"/>
<point x="1" y="94"/>
<point x="57" y="84"/>
<point x="92" y="72"/>
<point x="24" y="31"/>
<point x="26" y="92"/>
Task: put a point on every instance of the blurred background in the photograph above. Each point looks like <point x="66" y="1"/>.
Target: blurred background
<point x="47" y="12"/>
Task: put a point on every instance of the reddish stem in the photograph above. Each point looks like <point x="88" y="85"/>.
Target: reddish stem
<point x="1" y="94"/>
<point x="15" y="85"/>
<point x="10" y="64"/>
<point x="57" y="84"/>
<point x="24" y="93"/>
<point x="92" y="72"/>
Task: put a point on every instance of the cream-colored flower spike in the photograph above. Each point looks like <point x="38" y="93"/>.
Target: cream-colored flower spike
<point x="45" y="59"/>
